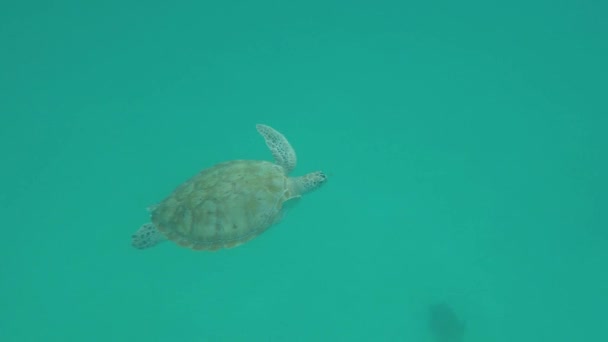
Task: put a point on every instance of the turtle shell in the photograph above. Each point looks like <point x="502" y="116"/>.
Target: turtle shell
<point x="224" y="206"/>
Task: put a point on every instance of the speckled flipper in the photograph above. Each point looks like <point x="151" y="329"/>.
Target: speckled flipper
<point x="147" y="236"/>
<point x="282" y="151"/>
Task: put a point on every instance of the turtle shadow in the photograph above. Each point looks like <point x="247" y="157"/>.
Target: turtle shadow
<point x="444" y="324"/>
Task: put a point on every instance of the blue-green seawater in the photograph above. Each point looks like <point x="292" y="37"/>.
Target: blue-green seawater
<point x="465" y="144"/>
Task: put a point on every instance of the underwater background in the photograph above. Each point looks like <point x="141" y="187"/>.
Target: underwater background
<point x="465" y="144"/>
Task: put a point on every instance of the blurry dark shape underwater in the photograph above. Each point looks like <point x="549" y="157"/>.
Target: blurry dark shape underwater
<point x="444" y="324"/>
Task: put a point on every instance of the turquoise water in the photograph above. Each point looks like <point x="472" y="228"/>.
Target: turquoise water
<point x="465" y="144"/>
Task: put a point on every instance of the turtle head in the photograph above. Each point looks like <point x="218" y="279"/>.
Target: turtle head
<point x="307" y="183"/>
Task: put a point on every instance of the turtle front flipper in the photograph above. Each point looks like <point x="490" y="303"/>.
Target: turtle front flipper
<point x="147" y="236"/>
<point x="282" y="151"/>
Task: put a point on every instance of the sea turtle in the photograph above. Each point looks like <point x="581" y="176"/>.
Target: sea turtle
<point x="230" y="203"/>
